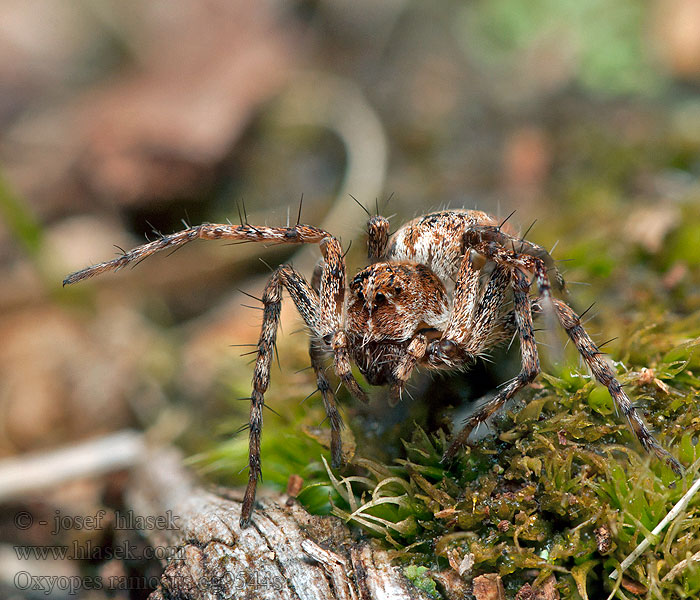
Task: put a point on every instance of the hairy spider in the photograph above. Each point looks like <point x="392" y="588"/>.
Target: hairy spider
<point x="436" y="294"/>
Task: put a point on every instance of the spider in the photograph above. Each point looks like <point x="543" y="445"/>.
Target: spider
<point x="437" y="294"/>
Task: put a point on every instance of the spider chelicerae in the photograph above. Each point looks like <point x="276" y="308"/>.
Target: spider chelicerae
<point x="437" y="294"/>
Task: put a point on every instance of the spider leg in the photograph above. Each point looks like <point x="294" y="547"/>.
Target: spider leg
<point x="316" y="353"/>
<point x="588" y="350"/>
<point x="480" y="323"/>
<point x="402" y="371"/>
<point x="378" y="238"/>
<point x="487" y="233"/>
<point x="605" y="375"/>
<point x="329" y="403"/>
<point x="272" y="298"/>
<point x="466" y="297"/>
<point x="530" y="363"/>
<point x="332" y="295"/>
<point x="299" y="234"/>
<point x="307" y="303"/>
<point x="487" y="313"/>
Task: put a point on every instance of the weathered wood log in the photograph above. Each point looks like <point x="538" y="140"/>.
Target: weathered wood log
<point x="286" y="554"/>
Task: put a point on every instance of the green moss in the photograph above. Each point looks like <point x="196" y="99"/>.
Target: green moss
<point x="420" y="578"/>
<point x="560" y="467"/>
<point x="533" y="501"/>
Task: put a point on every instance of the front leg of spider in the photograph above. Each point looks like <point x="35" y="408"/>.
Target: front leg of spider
<point x="307" y="303"/>
<point x="323" y="315"/>
<point x="332" y="297"/>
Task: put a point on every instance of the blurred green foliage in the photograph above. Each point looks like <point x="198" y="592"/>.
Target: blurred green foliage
<point x="603" y="41"/>
<point x="18" y="218"/>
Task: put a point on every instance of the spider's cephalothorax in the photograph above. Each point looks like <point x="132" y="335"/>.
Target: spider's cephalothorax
<point x="440" y="292"/>
<point x="389" y="303"/>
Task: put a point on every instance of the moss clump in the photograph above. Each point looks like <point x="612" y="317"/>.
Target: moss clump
<point x="419" y="576"/>
<point x="563" y="488"/>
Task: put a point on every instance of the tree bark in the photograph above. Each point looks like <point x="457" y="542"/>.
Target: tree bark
<point x="286" y="553"/>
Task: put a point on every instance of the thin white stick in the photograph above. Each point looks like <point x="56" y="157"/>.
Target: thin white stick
<point x="679" y="507"/>
<point x="681" y="566"/>
<point x="37" y="471"/>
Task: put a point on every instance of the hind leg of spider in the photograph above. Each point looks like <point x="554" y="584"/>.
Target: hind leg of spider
<point x="307" y="303"/>
<point x="329" y="403"/>
<point x="481" y="234"/>
<point x="605" y="375"/>
<point x="530" y="363"/>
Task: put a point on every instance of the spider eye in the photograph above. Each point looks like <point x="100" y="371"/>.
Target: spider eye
<point x="448" y="348"/>
<point x="398" y="290"/>
<point x="361" y="296"/>
<point x="379" y="298"/>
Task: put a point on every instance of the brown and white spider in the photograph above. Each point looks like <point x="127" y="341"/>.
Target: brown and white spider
<point x="436" y="294"/>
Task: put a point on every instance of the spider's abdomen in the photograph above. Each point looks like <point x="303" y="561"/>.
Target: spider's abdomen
<point x="436" y="239"/>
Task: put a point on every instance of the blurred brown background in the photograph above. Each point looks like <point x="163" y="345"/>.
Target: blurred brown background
<point x="119" y="117"/>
